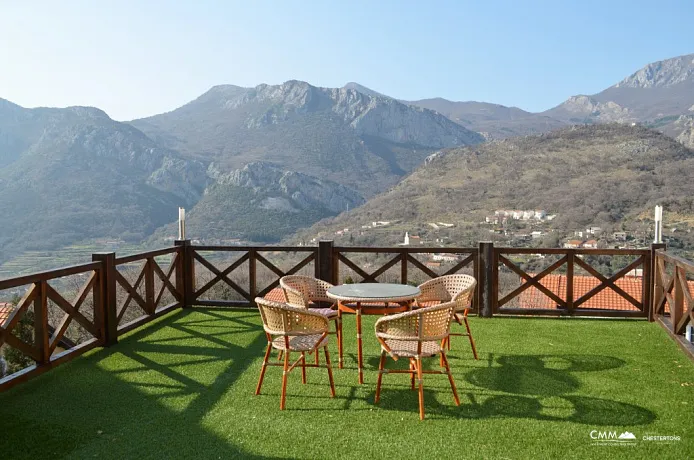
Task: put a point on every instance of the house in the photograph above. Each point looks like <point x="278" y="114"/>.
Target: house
<point x="517" y="214"/>
<point x="590" y="244"/>
<point x="551" y="217"/>
<point x="492" y="219"/>
<point x="527" y="215"/>
<point x="445" y="257"/>
<point x="6" y="310"/>
<point x="433" y="264"/>
<point x="573" y="244"/>
<point x="540" y="214"/>
<point x="619" y="236"/>
<point x="536" y="234"/>
<point x="380" y="223"/>
<point x="594" y="230"/>
<point x="578" y="233"/>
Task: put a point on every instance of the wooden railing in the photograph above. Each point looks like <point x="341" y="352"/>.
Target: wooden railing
<point x="568" y="298"/>
<point x="127" y="292"/>
<point x="673" y="306"/>
<point x="43" y="340"/>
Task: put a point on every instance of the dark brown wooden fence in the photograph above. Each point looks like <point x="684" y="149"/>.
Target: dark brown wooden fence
<point x="127" y="292"/>
<point x="673" y="306"/>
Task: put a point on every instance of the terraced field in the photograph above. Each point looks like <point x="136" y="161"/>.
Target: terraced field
<point x="33" y="261"/>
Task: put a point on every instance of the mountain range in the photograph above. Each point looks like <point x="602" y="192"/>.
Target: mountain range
<point x="259" y="163"/>
<point x="603" y="175"/>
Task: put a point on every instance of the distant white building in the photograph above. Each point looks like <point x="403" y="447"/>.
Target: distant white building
<point x="527" y="215"/>
<point x="536" y="234"/>
<point x="380" y="223"/>
<point x="445" y="257"/>
<point x="444" y="224"/>
<point x="407" y="240"/>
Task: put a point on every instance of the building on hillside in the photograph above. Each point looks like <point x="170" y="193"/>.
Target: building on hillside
<point x="537" y="234"/>
<point x="573" y="244"/>
<point x="619" y="236"/>
<point x="406" y="242"/>
<point x="527" y="215"/>
<point x="594" y="230"/>
<point x="578" y="233"/>
<point x="445" y="224"/>
<point x="445" y="257"/>
<point x="590" y="244"/>
<point x="492" y="220"/>
<point x="6" y="310"/>
<point x="432" y="264"/>
<point x="540" y="214"/>
<point x="380" y="223"/>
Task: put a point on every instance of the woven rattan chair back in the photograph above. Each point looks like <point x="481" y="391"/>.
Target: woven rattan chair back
<point x="301" y="290"/>
<point x="283" y="319"/>
<point x="458" y="288"/>
<point x="422" y="325"/>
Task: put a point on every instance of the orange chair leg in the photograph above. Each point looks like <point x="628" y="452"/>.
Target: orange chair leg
<point x="262" y="370"/>
<point x="279" y="355"/>
<point x="418" y="364"/>
<point x="283" y="397"/>
<point x="412" y="374"/>
<point x="450" y="379"/>
<point x="303" y="367"/>
<point x="381" y="366"/>
<point x="469" y="336"/>
<point x="330" y="371"/>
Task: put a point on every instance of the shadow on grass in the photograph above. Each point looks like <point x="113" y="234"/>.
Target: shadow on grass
<point x="538" y="384"/>
<point x="85" y="409"/>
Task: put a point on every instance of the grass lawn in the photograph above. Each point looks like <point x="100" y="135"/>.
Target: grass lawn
<point x="182" y="387"/>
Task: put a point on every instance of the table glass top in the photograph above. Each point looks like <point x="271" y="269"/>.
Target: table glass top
<point x="374" y="290"/>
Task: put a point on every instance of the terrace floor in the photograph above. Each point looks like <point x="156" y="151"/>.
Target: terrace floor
<point x="182" y="387"/>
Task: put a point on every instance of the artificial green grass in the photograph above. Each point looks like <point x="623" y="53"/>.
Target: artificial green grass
<point x="183" y="386"/>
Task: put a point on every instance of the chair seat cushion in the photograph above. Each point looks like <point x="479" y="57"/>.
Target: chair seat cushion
<point x="327" y="312"/>
<point x="299" y="342"/>
<point x="408" y="348"/>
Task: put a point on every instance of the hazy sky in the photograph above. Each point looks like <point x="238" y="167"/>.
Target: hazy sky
<point x="138" y="58"/>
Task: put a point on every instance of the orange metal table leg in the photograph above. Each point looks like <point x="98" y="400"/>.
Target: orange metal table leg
<point x="339" y="338"/>
<point x="359" y="355"/>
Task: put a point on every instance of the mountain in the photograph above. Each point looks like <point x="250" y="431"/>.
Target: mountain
<point x="366" y="142"/>
<point x="73" y="173"/>
<point x="605" y="175"/>
<point x="656" y="95"/>
<point x="264" y="203"/>
<point x="494" y="121"/>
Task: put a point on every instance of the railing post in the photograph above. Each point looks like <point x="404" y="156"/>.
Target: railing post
<point x="487" y="281"/>
<point x="185" y="273"/>
<point x="403" y="266"/>
<point x="41" y="324"/>
<point x="109" y="315"/>
<point x="570" y="280"/>
<point x="252" y="275"/>
<point x="650" y="279"/>
<point x="325" y="261"/>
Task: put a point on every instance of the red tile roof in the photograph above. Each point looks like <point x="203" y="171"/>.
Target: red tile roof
<point x="606" y="299"/>
<point x="6" y="310"/>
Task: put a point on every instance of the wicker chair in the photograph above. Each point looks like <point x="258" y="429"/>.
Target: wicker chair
<point x="415" y="335"/>
<point x="291" y="329"/>
<point x="457" y="288"/>
<point x="307" y="292"/>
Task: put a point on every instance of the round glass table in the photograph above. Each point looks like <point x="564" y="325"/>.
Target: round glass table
<point x="369" y="299"/>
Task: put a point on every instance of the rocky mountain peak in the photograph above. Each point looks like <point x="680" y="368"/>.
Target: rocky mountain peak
<point x="661" y="74"/>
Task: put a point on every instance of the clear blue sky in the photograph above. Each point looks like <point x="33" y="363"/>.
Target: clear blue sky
<point x="134" y="58"/>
